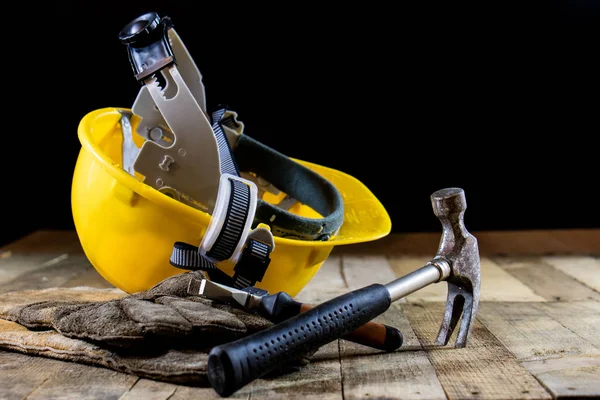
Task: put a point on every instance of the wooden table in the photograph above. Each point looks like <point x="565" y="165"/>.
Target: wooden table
<point x="537" y="334"/>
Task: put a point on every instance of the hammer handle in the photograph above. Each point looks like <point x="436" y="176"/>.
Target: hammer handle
<point x="372" y="334"/>
<point x="280" y="306"/>
<point x="233" y="365"/>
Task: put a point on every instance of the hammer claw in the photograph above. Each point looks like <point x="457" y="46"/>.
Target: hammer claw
<point x="468" y="318"/>
<point x="460" y="301"/>
<point x="454" y="308"/>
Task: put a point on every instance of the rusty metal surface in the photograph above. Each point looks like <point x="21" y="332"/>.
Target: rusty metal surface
<point x="460" y="248"/>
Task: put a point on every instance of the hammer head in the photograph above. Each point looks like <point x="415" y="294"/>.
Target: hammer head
<point x="460" y="249"/>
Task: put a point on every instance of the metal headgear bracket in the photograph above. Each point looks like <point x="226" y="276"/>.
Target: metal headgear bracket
<point x="180" y="156"/>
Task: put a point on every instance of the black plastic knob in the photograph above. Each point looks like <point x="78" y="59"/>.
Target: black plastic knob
<point x="140" y="29"/>
<point x="148" y="47"/>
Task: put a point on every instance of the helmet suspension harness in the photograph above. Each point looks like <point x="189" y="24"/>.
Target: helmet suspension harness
<point x="207" y="162"/>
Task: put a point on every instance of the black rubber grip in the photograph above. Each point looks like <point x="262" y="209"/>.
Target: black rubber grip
<point x="279" y="307"/>
<point x="234" y="365"/>
<point x="393" y="338"/>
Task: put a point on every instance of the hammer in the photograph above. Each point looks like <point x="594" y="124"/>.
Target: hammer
<point x="233" y="365"/>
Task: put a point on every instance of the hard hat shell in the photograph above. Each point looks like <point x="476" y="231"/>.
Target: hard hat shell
<point x="127" y="228"/>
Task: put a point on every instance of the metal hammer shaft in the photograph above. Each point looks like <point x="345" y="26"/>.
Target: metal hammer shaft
<point x="436" y="270"/>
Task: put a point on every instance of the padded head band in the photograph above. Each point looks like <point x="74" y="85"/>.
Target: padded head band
<point x="297" y="181"/>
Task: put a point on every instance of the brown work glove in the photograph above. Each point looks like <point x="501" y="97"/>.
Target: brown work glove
<point x="162" y="333"/>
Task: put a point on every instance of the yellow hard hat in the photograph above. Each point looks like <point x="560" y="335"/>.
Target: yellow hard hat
<point x="165" y="186"/>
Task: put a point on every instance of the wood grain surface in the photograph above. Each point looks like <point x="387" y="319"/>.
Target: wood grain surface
<point x="537" y="334"/>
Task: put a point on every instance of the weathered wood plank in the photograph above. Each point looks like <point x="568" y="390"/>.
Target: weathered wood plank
<point x="578" y="317"/>
<point x="530" y="333"/>
<point x="200" y="393"/>
<point x="585" y="269"/>
<point x="534" y="337"/>
<point x="569" y="377"/>
<point x="496" y="283"/>
<point x="152" y="390"/>
<point x="88" y="277"/>
<point x="78" y="381"/>
<point x="326" y="284"/>
<point x="536" y="242"/>
<point x="484" y="369"/>
<point x="570" y="369"/>
<point x="44" y="378"/>
<point x="46" y="241"/>
<point x="22" y="260"/>
<point x="14" y="265"/>
<point x="578" y="241"/>
<point x="59" y="272"/>
<point x="530" y="242"/>
<point x="313" y="381"/>
<point x="545" y="280"/>
<point x="369" y="373"/>
<point x="361" y="271"/>
<point x="20" y="375"/>
<point x="514" y="243"/>
<point x="594" y="306"/>
<point x="405" y="373"/>
<point x="317" y="380"/>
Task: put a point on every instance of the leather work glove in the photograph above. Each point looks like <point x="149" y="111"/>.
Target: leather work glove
<point x="162" y="333"/>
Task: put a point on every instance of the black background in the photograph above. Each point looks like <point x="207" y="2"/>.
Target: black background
<point x="499" y="98"/>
